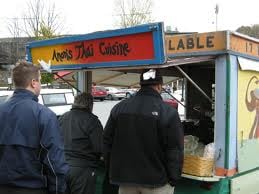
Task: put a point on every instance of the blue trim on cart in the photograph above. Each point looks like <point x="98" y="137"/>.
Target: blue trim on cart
<point x="96" y="35"/>
<point x="105" y="65"/>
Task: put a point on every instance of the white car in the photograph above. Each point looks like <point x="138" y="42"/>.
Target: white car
<point x="58" y="100"/>
<point x="4" y="95"/>
<point x="130" y="92"/>
<point x="115" y="93"/>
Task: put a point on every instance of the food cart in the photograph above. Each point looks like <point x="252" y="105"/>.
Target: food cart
<point x="220" y="72"/>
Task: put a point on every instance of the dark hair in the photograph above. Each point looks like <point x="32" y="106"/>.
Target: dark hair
<point x="23" y="73"/>
<point x="84" y="100"/>
<point x="158" y="79"/>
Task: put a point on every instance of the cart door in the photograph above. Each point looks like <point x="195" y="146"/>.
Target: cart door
<point x="248" y="115"/>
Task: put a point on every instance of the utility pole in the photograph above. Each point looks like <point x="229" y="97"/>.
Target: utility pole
<point x="216" y="12"/>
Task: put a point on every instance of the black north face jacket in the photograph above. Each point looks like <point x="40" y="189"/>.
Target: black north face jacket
<point x="143" y="138"/>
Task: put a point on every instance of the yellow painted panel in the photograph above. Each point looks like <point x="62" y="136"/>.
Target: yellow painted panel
<point x="46" y="53"/>
<point x="243" y="45"/>
<point x="248" y="105"/>
<point x="197" y="42"/>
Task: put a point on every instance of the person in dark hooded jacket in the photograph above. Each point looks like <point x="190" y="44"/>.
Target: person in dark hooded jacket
<point x="143" y="141"/>
<point x="83" y="133"/>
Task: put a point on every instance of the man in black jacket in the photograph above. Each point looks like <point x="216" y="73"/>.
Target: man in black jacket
<point x="83" y="133"/>
<point x="143" y="141"/>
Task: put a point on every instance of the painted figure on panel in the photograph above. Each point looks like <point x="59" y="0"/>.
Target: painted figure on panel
<point x="253" y="105"/>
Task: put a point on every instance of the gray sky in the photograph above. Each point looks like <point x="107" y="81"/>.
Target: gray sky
<point x="84" y="16"/>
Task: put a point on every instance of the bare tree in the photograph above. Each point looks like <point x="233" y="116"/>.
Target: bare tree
<point x="133" y="12"/>
<point x="15" y="30"/>
<point x="40" y="21"/>
<point x="40" y="16"/>
<point x="14" y="27"/>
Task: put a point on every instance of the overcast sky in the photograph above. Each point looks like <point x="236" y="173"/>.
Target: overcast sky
<point x="84" y="16"/>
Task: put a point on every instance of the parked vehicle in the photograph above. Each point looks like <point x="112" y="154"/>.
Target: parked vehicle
<point x="115" y="93"/>
<point x="130" y="92"/>
<point x="58" y="100"/>
<point x="4" y="95"/>
<point x="99" y="92"/>
<point x="169" y="100"/>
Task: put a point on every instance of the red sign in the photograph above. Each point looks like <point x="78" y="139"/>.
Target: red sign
<point x="119" y="48"/>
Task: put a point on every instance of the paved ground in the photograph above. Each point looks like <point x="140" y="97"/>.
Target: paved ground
<point x="102" y="109"/>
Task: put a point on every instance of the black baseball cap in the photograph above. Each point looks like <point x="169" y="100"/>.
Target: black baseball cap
<point x="151" y="77"/>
